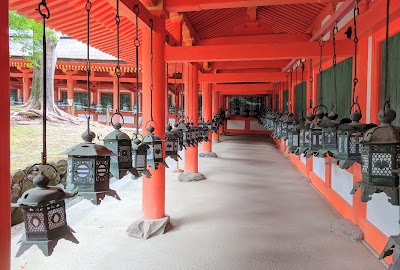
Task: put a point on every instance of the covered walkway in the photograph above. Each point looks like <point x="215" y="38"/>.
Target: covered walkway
<point x="254" y="211"/>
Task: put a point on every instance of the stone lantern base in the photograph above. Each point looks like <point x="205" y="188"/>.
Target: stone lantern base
<point x="146" y="228"/>
<point x="189" y="177"/>
<point x="208" y="155"/>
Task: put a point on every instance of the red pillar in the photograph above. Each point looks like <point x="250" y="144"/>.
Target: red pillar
<point x="56" y="93"/>
<point x="153" y="198"/>
<point x="207" y="113"/>
<point x="26" y="87"/>
<point x="70" y="91"/>
<point x="191" y="153"/>
<point x="186" y="80"/>
<point x="215" y="109"/>
<point x="5" y="215"/>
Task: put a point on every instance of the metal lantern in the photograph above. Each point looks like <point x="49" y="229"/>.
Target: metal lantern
<point x="293" y="141"/>
<point x="125" y="107"/>
<point x="380" y="157"/>
<point x="305" y="135"/>
<point x="134" y="109"/>
<point x="349" y="142"/>
<point x="316" y="139"/>
<point x="392" y="248"/>
<point x="329" y="136"/>
<point x="171" y="143"/>
<point x="44" y="216"/>
<point x="78" y="106"/>
<point x="185" y="133"/>
<point x="120" y="143"/>
<point x="181" y="112"/>
<point x="139" y="156"/>
<point x="89" y="169"/>
<point x="215" y="123"/>
<point x="287" y="124"/>
<point x="277" y="125"/>
<point x="155" y="150"/>
<point x="99" y="108"/>
<point x="171" y="109"/>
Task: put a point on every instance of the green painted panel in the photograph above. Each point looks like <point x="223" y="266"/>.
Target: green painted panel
<point x="285" y="100"/>
<point x="393" y="90"/>
<point x="343" y="87"/>
<point x="300" y="103"/>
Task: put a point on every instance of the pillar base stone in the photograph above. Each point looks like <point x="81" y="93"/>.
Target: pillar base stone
<point x="216" y="141"/>
<point x="208" y="155"/>
<point x="146" y="228"/>
<point x="189" y="177"/>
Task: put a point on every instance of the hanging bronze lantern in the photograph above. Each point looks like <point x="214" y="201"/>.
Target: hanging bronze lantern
<point x="185" y="133"/>
<point x="119" y="142"/>
<point x="349" y="142"/>
<point x="89" y="169"/>
<point x="293" y="137"/>
<point x="277" y="125"/>
<point x="329" y="136"/>
<point x="176" y="129"/>
<point x="380" y="157"/>
<point x="392" y="248"/>
<point x="287" y="124"/>
<point x="139" y="156"/>
<point x="134" y="109"/>
<point x="305" y="135"/>
<point x="171" y="143"/>
<point x="215" y="123"/>
<point x="99" y="108"/>
<point x="316" y="139"/>
<point x="155" y="150"/>
<point x="44" y="216"/>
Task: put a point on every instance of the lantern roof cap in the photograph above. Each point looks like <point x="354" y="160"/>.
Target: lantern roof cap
<point x="116" y="134"/>
<point x="87" y="148"/>
<point x="42" y="194"/>
<point x="383" y="134"/>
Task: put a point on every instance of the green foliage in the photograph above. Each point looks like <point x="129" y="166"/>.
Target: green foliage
<point x="29" y="35"/>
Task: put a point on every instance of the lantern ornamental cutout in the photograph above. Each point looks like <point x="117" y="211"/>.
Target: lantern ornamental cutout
<point x="89" y="169"/>
<point x="44" y="216"/>
<point x="155" y="150"/>
<point x="171" y="143"/>
<point x="380" y="158"/>
<point x="139" y="156"/>
<point x="329" y="136"/>
<point x="350" y="138"/>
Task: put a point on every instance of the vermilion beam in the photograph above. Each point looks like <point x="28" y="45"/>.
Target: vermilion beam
<point x="250" y="64"/>
<point x="255" y="51"/>
<point x="245" y="93"/>
<point x="255" y="39"/>
<point x="5" y="214"/>
<point x="243" y="77"/>
<point x="243" y="86"/>
<point x="197" y="5"/>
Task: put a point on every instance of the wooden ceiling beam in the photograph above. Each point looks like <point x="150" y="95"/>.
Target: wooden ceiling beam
<point x="246" y="52"/>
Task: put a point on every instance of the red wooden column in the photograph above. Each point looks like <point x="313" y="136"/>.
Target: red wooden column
<point x="55" y="93"/>
<point x="5" y="214"/>
<point x="215" y="109"/>
<point x="191" y="168"/>
<point x="207" y="113"/>
<point x="154" y="190"/>
<point x="70" y="91"/>
<point x="154" y="219"/>
<point x="26" y="86"/>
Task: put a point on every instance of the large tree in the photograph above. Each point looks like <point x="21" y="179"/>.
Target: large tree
<point x="29" y="34"/>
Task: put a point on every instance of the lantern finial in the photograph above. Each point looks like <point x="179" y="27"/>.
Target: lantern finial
<point x="88" y="135"/>
<point x="386" y="116"/>
<point x="41" y="180"/>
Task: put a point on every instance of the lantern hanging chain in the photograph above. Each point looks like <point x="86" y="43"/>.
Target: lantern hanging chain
<point x="291" y="88"/>
<point x="302" y="87"/>
<point x="118" y="67"/>
<point x="335" y="30"/>
<point x="137" y="44"/>
<point x="45" y="14"/>
<point x="88" y="8"/>
<point x="387" y="99"/>
<point x="356" y="12"/>
<point x="151" y="69"/>
<point x="321" y="45"/>
<point x="176" y="93"/>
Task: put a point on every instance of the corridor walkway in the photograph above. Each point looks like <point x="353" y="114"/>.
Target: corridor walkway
<point x="254" y="211"/>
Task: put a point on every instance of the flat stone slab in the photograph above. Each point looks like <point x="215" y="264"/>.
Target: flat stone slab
<point x="347" y="229"/>
<point x="208" y="155"/>
<point x="189" y="177"/>
<point x="146" y="228"/>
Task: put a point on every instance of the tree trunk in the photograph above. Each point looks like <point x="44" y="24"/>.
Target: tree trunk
<point x="34" y="106"/>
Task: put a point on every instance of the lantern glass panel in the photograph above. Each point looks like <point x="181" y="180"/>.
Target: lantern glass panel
<point x="158" y="150"/>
